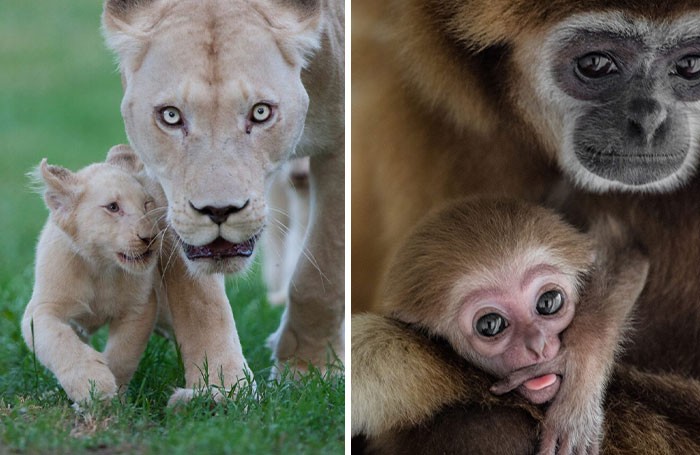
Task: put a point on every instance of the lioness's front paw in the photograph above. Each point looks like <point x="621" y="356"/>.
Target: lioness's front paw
<point x="184" y="395"/>
<point x="89" y="379"/>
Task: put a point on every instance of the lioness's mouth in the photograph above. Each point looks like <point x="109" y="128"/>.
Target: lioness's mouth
<point x="220" y="249"/>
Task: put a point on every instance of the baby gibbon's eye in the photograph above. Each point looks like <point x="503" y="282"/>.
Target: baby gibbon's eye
<point x="491" y="325"/>
<point x="261" y="112"/>
<point x="171" y="116"/>
<point x="550" y="302"/>
<point x="112" y="207"/>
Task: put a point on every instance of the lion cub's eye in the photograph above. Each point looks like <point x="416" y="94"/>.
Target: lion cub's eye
<point x="149" y="205"/>
<point x="171" y="116"/>
<point x="112" y="207"/>
<point x="261" y="112"/>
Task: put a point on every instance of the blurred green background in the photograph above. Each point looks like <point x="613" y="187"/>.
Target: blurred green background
<point x="60" y="93"/>
<point x="59" y="98"/>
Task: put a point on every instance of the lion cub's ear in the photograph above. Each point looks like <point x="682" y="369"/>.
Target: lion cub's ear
<point x="60" y="187"/>
<point x="123" y="156"/>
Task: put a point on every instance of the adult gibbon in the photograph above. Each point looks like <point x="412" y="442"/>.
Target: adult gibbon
<point x="594" y="105"/>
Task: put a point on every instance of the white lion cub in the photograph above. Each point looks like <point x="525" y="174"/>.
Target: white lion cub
<point x="95" y="265"/>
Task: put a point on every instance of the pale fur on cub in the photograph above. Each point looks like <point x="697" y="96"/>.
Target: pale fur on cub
<point x="95" y="264"/>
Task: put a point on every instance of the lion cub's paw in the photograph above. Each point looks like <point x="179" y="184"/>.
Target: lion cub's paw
<point x="89" y="379"/>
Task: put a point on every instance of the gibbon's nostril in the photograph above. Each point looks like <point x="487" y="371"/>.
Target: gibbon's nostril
<point x="219" y="215"/>
<point x="535" y="342"/>
<point x="645" y="118"/>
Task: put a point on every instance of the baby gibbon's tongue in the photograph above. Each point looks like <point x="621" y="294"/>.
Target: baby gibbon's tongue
<point x="540" y="382"/>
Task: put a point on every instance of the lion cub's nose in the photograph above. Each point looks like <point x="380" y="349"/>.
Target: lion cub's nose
<point x="219" y="214"/>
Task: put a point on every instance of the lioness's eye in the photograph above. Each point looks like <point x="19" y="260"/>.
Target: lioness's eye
<point x="171" y="116"/>
<point x="261" y="112"/>
<point x="112" y="207"/>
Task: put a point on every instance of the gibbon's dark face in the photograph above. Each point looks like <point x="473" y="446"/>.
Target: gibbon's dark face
<point x="623" y="97"/>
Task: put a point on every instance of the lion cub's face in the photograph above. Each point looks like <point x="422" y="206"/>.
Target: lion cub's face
<point x="106" y="212"/>
<point x="213" y="105"/>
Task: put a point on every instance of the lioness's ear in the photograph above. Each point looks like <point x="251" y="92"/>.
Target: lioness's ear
<point x="297" y="27"/>
<point x="60" y="186"/>
<point x="123" y="156"/>
<point x="124" y="29"/>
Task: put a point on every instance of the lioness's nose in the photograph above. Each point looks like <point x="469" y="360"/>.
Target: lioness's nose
<point x="219" y="214"/>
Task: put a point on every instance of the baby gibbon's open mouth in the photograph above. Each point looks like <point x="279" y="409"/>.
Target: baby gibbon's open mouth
<point x="135" y="259"/>
<point x="221" y="249"/>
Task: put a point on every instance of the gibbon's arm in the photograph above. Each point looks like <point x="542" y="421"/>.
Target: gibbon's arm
<point x="401" y="377"/>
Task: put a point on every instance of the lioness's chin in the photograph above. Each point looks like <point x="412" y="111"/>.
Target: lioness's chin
<point x="226" y="266"/>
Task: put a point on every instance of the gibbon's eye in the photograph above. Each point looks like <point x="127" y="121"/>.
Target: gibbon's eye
<point x="112" y="207"/>
<point x="595" y="65"/>
<point x="491" y="325"/>
<point x="171" y="116"/>
<point x="261" y="112"/>
<point x="550" y="302"/>
<point x="688" y="67"/>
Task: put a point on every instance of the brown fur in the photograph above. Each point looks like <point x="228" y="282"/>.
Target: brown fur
<point x="474" y="238"/>
<point x="645" y="413"/>
<point x="468" y="236"/>
<point x="459" y="131"/>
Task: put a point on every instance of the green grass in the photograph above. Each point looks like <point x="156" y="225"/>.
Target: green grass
<point x="59" y="98"/>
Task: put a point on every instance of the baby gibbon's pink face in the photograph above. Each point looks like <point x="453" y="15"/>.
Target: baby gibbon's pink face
<point x="518" y="323"/>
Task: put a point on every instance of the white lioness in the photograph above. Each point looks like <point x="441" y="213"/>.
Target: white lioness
<point x="218" y="94"/>
<point x="95" y="264"/>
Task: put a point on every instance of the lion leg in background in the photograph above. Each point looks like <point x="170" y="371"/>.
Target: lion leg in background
<point x="312" y="325"/>
<point x="204" y="329"/>
<point x="283" y="239"/>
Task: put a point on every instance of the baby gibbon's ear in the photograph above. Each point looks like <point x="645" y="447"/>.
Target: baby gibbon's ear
<point x="61" y="186"/>
<point x="123" y="156"/>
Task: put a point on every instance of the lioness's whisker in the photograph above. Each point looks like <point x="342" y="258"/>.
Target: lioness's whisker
<point x="305" y="251"/>
<point x="280" y="211"/>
